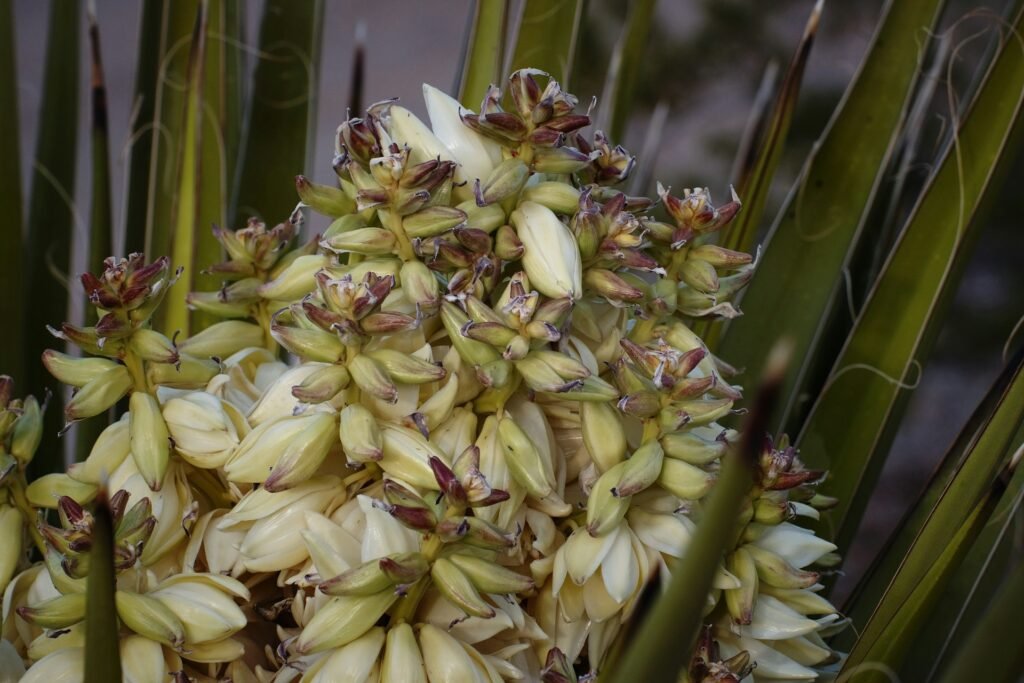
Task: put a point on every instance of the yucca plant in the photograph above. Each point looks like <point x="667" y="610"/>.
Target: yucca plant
<point x="485" y="425"/>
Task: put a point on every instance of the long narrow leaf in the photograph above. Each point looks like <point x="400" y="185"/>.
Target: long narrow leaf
<point x="144" y="126"/>
<point x="972" y="589"/>
<point x="177" y="25"/>
<point x="546" y="37"/>
<point x="796" y="282"/>
<point x="972" y="460"/>
<point x="994" y="652"/>
<point x="850" y="427"/>
<point x="627" y="60"/>
<point x="743" y="231"/>
<point x="485" y="51"/>
<point x="102" y="655"/>
<point x="664" y="641"/>
<point x="282" y="111"/>
<point x="52" y="216"/>
<point x="184" y="238"/>
<point x="884" y="642"/>
<point x="101" y="215"/>
<point x="11" y="256"/>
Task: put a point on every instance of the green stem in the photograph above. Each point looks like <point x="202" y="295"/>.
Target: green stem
<point x="137" y="371"/>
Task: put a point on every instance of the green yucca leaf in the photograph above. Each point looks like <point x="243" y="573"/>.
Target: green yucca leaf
<point x="167" y="149"/>
<point x="102" y="652"/>
<point x="663" y="642"/>
<point x="626" y="63"/>
<point x="143" y="128"/>
<point x="101" y="215"/>
<point x="185" y="236"/>
<point x="218" y="133"/>
<point x="230" y="44"/>
<point x="758" y="181"/>
<point x="974" y="585"/>
<point x="797" y="280"/>
<point x="282" y="112"/>
<point x="546" y="38"/>
<point x="850" y="427"/>
<point x="12" y="256"/>
<point x="994" y="651"/>
<point x="960" y="478"/>
<point x="883" y="643"/>
<point x="485" y="51"/>
<point x="52" y="217"/>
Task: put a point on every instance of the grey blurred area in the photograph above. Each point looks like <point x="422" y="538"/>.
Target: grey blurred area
<point x="704" y="62"/>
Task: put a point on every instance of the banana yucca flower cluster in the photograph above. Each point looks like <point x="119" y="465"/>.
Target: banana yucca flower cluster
<point x="499" y="430"/>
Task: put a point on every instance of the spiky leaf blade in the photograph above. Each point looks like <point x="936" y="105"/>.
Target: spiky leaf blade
<point x="485" y="51"/>
<point x="546" y="37"/>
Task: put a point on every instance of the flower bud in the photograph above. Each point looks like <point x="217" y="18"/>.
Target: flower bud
<point x="371" y="241"/>
<point x="295" y="281"/>
<point x="73" y="371"/>
<point x="432" y="221"/>
<point x="304" y="454"/>
<point x="406" y="456"/>
<point x="475" y="153"/>
<point x="683" y="480"/>
<point x="446" y="658"/>
<point x="603" y="434"/>
<point x="507" y="245"/>
<point x="611" y="286"/>
<point x="189" y="373"/>
<point x="605" y="509"/>
<point x="150" y="618"/>
<point x="489" y="577"/>
<point x="402" y="659"/>
<point x="204" y="605"/>
<point x="322" y="385"/>
<point x="641" y="471"/>
<point x="472" y="351"/>
<point x="152" y="346"/>
<point x="524" y="460"/>
<point x="693" y="448"/>
<point x="360" y="436"/>
<point x="342" y="620"/>
<point x="311" y="344"/>
<point x="700" y="275"/>
<point x="551" y="258"/>
<point x="59" y="612"/>
<point x="740" y="601"/>
<point x="98" y="394"/>
<point x="28" y="430"/>
<point x="487" y="218"/>
<point x="559" y="197"/>
<point x="420" y="286"/>
<point x="324" y="199"/>
<point x="370" y="376"/>
<point x="457" y="587"/>
<point x="223" y="339"/>
<point x="205" y="429"/>
<point x="559" y="160"/>
<point x="720" y="257"/>
<point x="150" y="439"/>
<point x="506" y="180"/>
<point x="406" y="368"/>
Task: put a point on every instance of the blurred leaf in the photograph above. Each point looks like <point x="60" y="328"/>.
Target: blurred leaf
<point x="143" y="124"/>
<point x="664" y="641"/>
<point x="185" y="237"/>
<point x="101" y="220"/>
<point x="620" y="84"/>
<point x="640" y="182"/>
<point x="754" y="130"/>
<point x="994" y="651"/>
<point x="51" y="218"/>
<point x="798" y="277"/>
<point x="974" y="586"/>
<point x="12" y="255"/>
<point x="850" y="427"/>
<point x="485" y="51"/>
<point x="546" y="37"/>
<point x="101" y="216"/>
<point x="962" y="475"/>
<point x="758" y="180"/>
<point x="355" y="92"/>
<point x="102" y="652"/>
<point x="915" y="590"/>
<point x="177" y="26"/>
<point x="282" y="109"/>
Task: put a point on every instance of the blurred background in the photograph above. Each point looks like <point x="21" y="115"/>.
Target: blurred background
<point x="703" y="65"/>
